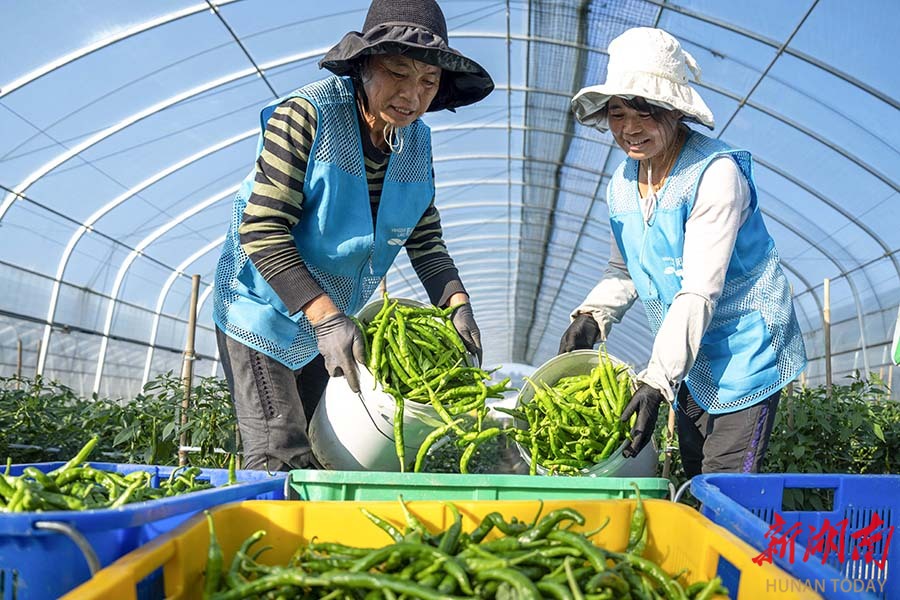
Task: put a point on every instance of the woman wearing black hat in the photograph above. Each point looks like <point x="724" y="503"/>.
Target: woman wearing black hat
<point x="342" y="180"/>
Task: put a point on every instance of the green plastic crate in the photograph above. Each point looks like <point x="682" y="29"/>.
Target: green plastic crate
<point x="370" y="485"/>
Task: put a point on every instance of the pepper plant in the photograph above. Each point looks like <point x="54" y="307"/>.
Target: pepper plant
<point x="42" y="420"/>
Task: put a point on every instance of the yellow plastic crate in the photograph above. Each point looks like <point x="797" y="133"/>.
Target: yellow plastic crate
<point x="679" y="537"/>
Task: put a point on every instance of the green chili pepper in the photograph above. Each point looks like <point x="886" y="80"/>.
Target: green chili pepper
<point x="450" y="538"/>
<point x="78" y="458"/>
<point x="378" y="340"/>
<point x="384" y="525"/>
<point x="524" y="587"/>
<point x="6" y="490"/>
<point x="412" y="523"/>
<point x="398" y="432"/>
<point x="713" y="587"/>
<point x="554" y="590"/>
<point x="366" y="351"/>
<point x="232" y="468"/>
<point x="63" y="501"/>
<point x="399" y="371"/>
<point x="638" y="533"/>
<point x="41" y="478"/>
<point x="594" y="555"/>
<point x="479" y="439"/>
<point x="549" y="522"/>
<point x="572" y="581"/>
<point x="214" y="559"/>
<point x="671" y="589"/>
<point x="121" y="500"/>
<point x="429" y="441"/>
<point x="452" y="567"/>
<point x="611" y="444"/>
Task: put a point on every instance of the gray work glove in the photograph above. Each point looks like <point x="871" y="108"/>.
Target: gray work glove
<point x="341" y="343"/>
<point x="582" y="334"/>
<point x="646" y="401"/>
<point x="464" y="323"/>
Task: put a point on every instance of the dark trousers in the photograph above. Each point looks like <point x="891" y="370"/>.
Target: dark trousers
<point x="726" y="443"/>
<point x="273" y="405"/>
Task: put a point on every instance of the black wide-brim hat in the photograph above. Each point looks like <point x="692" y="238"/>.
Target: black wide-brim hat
<point x="417" y="29"/>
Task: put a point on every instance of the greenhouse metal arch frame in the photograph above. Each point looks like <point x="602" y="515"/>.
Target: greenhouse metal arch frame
<point x="537" y="73"/>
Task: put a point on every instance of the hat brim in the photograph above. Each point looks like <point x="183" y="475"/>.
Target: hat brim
<point x="463" y="81"/>
<point x="589" y="102"/>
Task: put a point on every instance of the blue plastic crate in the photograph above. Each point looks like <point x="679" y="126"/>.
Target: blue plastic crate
<point x="36" y="562"/>
<point x="746" y="506"/>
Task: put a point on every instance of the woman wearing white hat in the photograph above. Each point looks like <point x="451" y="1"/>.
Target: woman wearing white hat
<point x="688" y="239"/>
<point x="343" y="179"/>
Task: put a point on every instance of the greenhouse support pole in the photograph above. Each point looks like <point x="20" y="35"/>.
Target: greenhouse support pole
<point x="826" y="329"/>
<point x="37" y="364"/>
<point x="187" y="368"/>
<point x="18" y="363"/>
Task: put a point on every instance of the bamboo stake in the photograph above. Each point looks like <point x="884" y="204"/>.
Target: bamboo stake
<point x="826" y="320"/>
<point x="670" y="435"/>
<point x="187" y="367"/>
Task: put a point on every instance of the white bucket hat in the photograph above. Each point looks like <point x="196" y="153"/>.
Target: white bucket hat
<point x="649" y="63"/>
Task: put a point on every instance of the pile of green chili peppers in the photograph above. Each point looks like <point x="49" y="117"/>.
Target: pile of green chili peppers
<point x="77" y="486"/>
<point x="543" y="558"/>
<point x="574" y="424"/>
<point x="417" y="356"/>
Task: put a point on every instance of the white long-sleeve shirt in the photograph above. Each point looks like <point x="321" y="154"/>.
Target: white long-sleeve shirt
<point x="720" y="209"/>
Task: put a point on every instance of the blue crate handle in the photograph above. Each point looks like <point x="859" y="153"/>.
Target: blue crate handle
<point x="811" y="481"/>
<point x="79" y="540"/>
<point x="677" y="494"/>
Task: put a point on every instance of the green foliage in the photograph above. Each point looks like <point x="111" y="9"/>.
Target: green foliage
<point x="43" y="420"/>
<point x="856" y="430"/>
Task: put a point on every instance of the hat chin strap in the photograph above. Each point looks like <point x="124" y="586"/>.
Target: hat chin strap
<point x="393" y="137"/>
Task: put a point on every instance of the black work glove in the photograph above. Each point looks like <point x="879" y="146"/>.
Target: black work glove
<point x="464" y="323"/>
<point x="582" y="334"/>
<point x="341" y="343"/>
<point x="646" y="401"/>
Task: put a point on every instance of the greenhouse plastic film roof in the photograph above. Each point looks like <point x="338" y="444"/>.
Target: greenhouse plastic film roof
<point x="127" y="127"/>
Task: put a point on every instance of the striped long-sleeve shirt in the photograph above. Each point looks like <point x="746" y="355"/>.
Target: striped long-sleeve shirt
<point x="276" y="204"/>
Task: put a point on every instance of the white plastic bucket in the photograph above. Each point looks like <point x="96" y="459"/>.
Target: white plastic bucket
<point x="355" y="432"/>
<point x="581" y="362"/>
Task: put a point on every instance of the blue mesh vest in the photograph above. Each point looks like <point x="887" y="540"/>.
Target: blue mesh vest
<point x="334" y="235"/>
<point x="753" y="346"/>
